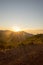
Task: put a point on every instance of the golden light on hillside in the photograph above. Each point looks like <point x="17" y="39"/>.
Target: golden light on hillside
<point x="16" y="29"/>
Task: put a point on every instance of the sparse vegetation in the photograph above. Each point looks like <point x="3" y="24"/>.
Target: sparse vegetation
<point x="17" y="49"/>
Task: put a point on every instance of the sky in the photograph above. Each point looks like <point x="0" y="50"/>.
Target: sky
<point x="26" y="14"/>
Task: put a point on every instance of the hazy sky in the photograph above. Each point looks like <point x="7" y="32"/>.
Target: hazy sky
<point x="27" y="14"/>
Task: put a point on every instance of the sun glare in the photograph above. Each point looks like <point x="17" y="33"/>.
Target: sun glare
<point x="16" y="29"/>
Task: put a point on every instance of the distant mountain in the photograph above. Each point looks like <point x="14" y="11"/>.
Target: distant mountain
<point x="9" y="34"/>
<point x="13" y="38"/>
<point x="10" y="39"/>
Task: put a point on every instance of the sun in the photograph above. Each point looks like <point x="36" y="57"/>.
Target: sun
<point x="16" y="29"/>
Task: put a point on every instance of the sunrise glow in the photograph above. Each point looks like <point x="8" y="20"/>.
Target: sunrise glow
<point x="16" y="29"/>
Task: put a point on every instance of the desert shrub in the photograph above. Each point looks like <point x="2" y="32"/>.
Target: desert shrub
<point x="2" y="46"/>
<point x="10" y="47"/>
<point x="31" y="43"/>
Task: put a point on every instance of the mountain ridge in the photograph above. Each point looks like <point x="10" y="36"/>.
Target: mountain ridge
<point x="10" y="39"/>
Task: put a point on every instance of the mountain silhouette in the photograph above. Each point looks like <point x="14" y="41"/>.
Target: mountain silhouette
<point x="13" y="38"/>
